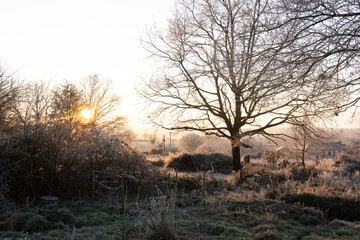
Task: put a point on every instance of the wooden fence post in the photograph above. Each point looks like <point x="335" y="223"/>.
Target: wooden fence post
<point x="122" y="195"/>
<point x="93" y="184"/>
<point x="27" y="203"/>
<point x="141" y="185"/>
<point x="169" y="187"/>
<point x="176" y="182"/>
<point x="203" y="189"/>
<point x="56" y="207"/>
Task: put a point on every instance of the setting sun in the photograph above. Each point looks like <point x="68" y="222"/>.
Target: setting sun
<point x="86" y="115"/>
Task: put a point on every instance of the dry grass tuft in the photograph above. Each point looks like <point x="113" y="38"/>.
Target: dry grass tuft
<point x="157" y="218"/>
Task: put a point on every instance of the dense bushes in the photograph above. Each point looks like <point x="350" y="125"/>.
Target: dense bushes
<point x="335" y="207"/>
<point x="39" y="164"/>
<point x="200" y="162"/>
<point x="48" y="146"/>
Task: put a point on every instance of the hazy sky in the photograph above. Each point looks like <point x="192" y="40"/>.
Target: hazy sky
<point x="68" y="39"/>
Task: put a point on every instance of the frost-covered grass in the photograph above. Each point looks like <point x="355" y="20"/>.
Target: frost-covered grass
<point x="254" y="209"/>
<point x="227" y="215"/>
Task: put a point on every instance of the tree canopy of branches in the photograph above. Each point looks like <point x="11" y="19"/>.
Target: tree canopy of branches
<point x="31" y="107"/>
<point x="9" y="90"/>
<point x="327" y="36"/>
<point x="305" y="133"/>
<point x="97" y="94"/>
<point x="47" y="147"/>
<point x="66" y="101"/>
<point x="233" y="69"/>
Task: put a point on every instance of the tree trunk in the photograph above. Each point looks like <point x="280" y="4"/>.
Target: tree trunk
<point x="236" y="164"/>
<point x="303" y="154"/>
<point x="303" y="150"/>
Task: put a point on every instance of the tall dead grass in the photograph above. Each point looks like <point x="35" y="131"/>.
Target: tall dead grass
<point x="325" y="179"/>
<point x="157" y="219"/>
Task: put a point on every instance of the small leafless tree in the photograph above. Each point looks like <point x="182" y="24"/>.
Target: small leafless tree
<point x="304" y="132"/>
<point x="66" y="100"/>
<point x="190" y="142"/>
<point x="9" y="90"/>
<point x="229" y="70"/>
<point x="31" y="106"/>
<point x="65" y="104"/>
<point x="40" y="101"/>
<point x="98" y="95"/>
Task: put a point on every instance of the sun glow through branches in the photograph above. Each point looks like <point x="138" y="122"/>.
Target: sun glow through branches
<point x="86" y="115"/>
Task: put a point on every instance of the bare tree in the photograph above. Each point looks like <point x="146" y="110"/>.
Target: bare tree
<point x="9" y="90"/>
<point x="66" y="102"/>
<point x="304" y="132"/>
<point x="31" y="106"/>
<point x="98" y="95"/>
<point x="328" y="37"/>
<point x="20" y="109"/>
<point x="229" y="70"/>
<point x="190" y="142"/>
<point x="118" y="126"/>
<point x="40" y="101"/>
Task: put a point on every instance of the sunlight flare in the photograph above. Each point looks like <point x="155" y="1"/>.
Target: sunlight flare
<point x="86" y="115"/>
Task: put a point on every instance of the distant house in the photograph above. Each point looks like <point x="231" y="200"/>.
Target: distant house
<point x="318" y="151"/>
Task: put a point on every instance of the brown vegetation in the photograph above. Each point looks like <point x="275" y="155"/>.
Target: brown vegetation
<point x="269" y="202"/>
<point x="269" y="157"/>
<point x="333" y="207"/>
<point x="47" y="147"/>
<point x="200" y="162"/>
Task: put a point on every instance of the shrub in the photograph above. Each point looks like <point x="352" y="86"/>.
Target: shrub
<point x="334" y="207"/>
<point x="344" y="158"/>
<point x="353" y="167"/>
<point x="63" y="215"/>
<point x="155" y="151"/>
<point x="158" y="162"/>
<point x="20" y="219"/>
<point x="5" y="203"/>
<point x="200" y="162"/>
<point x="269" y="157"/>
<point x="5" y="225"/>
<point x="303" y="174"/>
<point x="158" y="216"/>
<point x="36" y="223"/>
<point x="41" y="164"/>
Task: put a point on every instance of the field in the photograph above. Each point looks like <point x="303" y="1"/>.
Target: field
<point x="319" y="202"/>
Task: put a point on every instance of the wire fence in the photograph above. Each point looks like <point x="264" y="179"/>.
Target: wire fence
<point x="116" y="186"/>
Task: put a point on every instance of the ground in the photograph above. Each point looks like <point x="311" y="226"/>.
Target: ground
<point x="259" y="208"/>
<point x="222" y="218"/>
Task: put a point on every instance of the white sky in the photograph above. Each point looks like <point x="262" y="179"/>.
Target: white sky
<point x="68" y="39"/>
